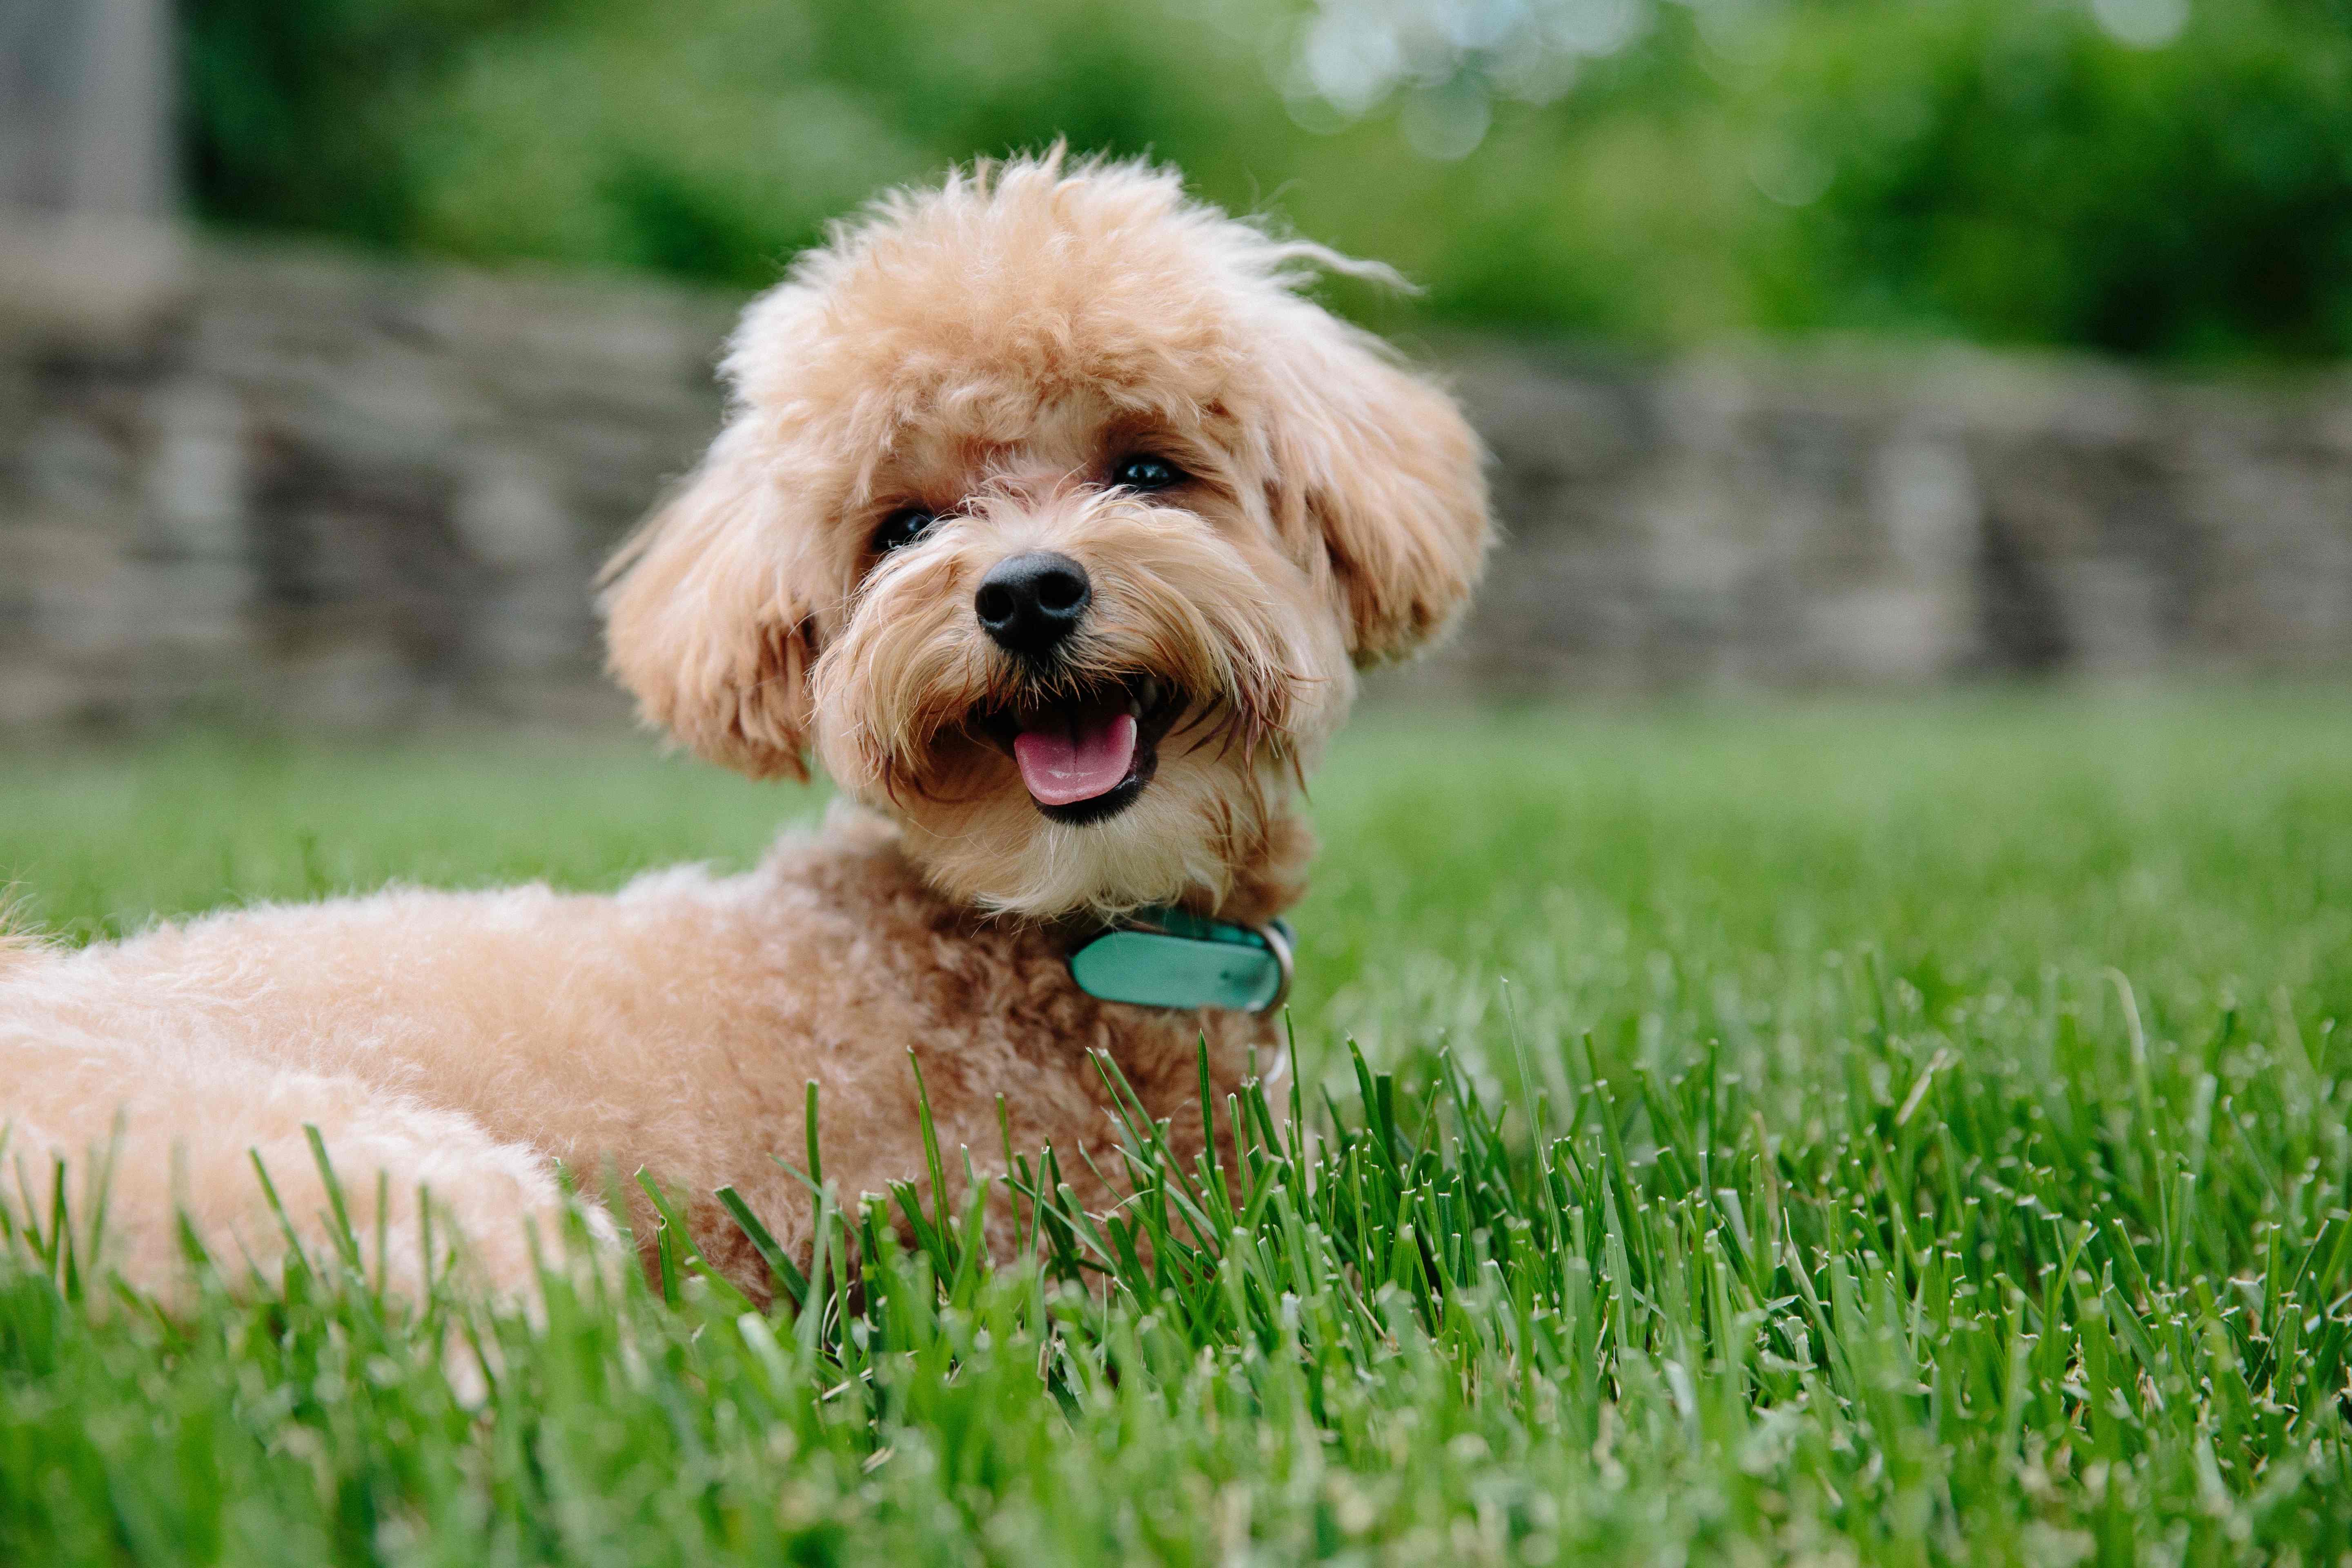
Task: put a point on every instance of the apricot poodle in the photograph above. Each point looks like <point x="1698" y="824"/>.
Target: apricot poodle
<point x="1055" y="520"/>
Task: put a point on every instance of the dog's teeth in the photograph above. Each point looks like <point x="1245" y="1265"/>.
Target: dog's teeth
<point x="1146" y="696"/>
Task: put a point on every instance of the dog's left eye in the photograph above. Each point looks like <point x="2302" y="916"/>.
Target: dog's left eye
<point x="1142" y="473"/>
<point x="902" y="527"/>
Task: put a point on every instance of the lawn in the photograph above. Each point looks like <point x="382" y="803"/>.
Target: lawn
<point x="1839" y="1131"/>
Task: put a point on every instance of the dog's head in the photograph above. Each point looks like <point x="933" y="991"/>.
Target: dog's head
<point x="1058" y="522"/>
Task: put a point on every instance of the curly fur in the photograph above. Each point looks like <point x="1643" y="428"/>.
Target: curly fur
<point x="986" y="350"/>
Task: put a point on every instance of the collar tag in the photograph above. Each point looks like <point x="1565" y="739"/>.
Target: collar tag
<point x="1167" y="958"/>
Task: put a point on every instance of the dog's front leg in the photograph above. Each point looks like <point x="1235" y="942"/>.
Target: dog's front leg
<point x="177" y="1131"/>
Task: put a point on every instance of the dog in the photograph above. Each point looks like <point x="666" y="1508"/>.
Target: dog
<point x="1054" y="517"/>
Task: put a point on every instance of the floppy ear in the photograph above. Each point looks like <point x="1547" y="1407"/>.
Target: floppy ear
<point x="702" y="619"/>
<point x="1386" y="475"/>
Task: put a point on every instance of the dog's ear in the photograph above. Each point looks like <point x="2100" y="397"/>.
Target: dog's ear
<point x="1382" y="475"/>
<point x="704" y="621"/>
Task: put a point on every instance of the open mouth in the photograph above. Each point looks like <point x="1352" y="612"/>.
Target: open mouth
<point x="1087" y="757"/>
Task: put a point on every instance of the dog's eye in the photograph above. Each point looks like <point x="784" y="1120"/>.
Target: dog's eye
<point x="902" y="527"/>
<point x="1140" y="473"/>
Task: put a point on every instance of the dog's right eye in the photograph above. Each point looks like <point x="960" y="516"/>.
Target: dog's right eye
<point x="902" y="527"/>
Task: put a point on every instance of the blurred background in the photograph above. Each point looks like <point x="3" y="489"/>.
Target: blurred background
<point x="1819" y="343"/>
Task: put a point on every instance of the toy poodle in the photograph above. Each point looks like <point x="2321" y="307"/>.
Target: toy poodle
<point x="1055" y="520"/>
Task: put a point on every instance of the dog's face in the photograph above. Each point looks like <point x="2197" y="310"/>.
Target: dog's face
<point x="1058" y="522"/>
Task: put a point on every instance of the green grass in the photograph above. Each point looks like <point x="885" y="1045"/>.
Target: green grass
<point x="1893" y="1132"/>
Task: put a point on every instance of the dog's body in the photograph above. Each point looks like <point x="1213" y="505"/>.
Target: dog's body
<point x="459" y="1041"/>
<point x="1058" y="522"/>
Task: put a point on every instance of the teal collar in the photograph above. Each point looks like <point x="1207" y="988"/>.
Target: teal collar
<point x="1167" y="958"/>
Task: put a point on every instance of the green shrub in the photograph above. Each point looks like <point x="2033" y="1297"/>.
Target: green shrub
<point x="2008" y="170"/>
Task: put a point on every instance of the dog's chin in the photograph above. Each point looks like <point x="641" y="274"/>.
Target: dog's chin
<point x="1105" y="806"/>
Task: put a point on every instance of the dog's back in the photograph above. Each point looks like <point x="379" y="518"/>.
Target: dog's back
<point x="16" y="949"/>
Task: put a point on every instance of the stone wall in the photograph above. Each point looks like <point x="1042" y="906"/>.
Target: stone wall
<point x="331" y="491"/>
<point x="1848" y="519"/>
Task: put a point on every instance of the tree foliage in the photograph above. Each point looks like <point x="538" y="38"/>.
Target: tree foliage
<point x="2123" y="176"/>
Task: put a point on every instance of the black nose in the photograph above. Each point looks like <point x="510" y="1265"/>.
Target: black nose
<point x="1029" y="603"/>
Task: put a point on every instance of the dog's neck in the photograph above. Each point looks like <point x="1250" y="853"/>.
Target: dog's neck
<point x="1267" y="881"/>
<point x="1269" y="875"/>
<point x="1231" y="952"/>
<point x="1156" y="957"/>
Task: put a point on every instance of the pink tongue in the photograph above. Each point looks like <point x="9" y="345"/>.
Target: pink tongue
<point x="1066" y="764"/>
